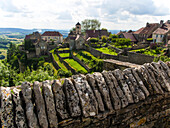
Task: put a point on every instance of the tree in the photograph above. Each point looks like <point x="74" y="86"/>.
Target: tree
<point x="104" y="39"/>
<point x="92" y="24"/>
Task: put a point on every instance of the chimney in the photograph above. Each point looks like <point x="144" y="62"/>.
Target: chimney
<point x="168" y="21"/>
<point x="147" y="24"/>
<point x="161" y="23"/>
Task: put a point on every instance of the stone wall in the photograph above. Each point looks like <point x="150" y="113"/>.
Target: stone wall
<point x="114" y="99"/>
<point x="54" y="62"/>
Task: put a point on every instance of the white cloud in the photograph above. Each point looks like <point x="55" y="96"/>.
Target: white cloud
<point x="63" y="14"/>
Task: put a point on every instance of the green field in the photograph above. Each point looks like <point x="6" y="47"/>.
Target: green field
<point x="106" y="51"/>
<point x="74" y="64"/>
<point x="64" y="54"/>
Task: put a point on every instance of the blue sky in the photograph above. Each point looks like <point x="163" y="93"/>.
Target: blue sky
<point x="64" y="14"/>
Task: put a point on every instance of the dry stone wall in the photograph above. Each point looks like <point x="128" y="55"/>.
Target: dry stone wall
<point x="134" y="97"/>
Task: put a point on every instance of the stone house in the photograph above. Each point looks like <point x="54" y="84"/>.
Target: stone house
<point x="162" y="33"/>
<point x="40" y="47"/>
<point x="52" y="35"/>
<point x="145" y="32"/>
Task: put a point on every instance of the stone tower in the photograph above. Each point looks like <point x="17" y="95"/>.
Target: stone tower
<point x="78" y="28"/>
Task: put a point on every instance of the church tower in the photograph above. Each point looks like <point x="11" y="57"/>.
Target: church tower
<point x="78" y="28"/>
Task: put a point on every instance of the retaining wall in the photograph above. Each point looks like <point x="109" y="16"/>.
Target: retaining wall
<point x="114" y="99"/>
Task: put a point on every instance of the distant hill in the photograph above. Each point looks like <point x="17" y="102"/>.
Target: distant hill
<point x="29" y="31"/>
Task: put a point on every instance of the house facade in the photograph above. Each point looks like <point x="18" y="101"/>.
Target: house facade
<point x="52" y="35"/>
<point x="162" y="33"/>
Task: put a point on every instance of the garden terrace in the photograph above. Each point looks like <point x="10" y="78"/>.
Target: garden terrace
<point x="63" y="55"/>
<point x="75" y="65"/>
<point x="106" y="50"/>
<point x="63" y="49"/>
<point x="151" y="52"/>
<point x="60" y="64"/>
<point x="88" y="59"/>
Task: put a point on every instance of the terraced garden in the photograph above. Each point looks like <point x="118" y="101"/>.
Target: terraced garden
<point x="62" y="66"/>
<point x="88" y="59"/>
<point x="64" y="54"/>
<point x="107" y="51"/>
<point x="74" y="64"/>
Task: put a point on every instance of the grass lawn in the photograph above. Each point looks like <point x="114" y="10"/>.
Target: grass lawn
<point x="62" y="66"/>
<point x="107" y="51"/>
<point x="76" y="65"/>
<point x="61" y="49"/>
<point x="64" y="54"/>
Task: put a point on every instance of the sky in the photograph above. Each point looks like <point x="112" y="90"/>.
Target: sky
<point x="64" y="14"/>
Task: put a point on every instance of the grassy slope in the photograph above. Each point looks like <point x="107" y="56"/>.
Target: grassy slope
<point x="64" y="54"/>
<point x="59" y="63"/>
<point x="86" y="60"/>
<point x="75" y="65"/>
<point x="106" y="51"/>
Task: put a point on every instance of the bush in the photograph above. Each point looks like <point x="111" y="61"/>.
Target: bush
<point x="104" y="39"/>
<point x="153" y="45"/>
<point x="94" y="40"/>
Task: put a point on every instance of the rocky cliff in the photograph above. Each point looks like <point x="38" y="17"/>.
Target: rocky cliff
<point x="134" y="97"/>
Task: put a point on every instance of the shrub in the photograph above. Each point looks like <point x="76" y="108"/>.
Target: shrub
<point x="153" y="45"/>
<point x="93" y="40"/>
<point x="104" y="39"/>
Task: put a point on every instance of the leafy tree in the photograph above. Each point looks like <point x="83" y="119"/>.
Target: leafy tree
<point x="90" y="24"/>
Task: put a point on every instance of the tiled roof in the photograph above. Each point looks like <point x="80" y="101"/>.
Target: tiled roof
<point x="51" y="33"/>
<point x="163" y="30"/>
<point x="129" y="36"/>
<point x="149" y="28"/>
<point x="138" y="31"/>
<point x="96" y="33"/>
<point x="27" y="37"/>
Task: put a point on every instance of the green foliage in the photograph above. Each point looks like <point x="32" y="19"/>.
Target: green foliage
<point x="162" y="58"/>
<point x="104" y="39"/>
<point x="87" y="58"/>
<point x="104" y="29"/>
<point x="92" y="24"/>
<point x="112" y="36"/>
<point x="149" y="39"/>
<point x="63" y="73"/>
<point x="94" y="40"/>
<point x="64" y="54"/>
<point x="28" y="45"/>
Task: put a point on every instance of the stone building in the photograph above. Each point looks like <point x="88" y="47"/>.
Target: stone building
<point x="75" y="38"/>
<point x="145" y="32"/>
<point x="39" y="48"/>
<point x="162" y="34"/>
<point x="52" y="35"/>
<point x="95" y="34"/>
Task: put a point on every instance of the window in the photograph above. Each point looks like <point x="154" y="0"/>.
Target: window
<point x="156" y="36"/>
<point x="48" y="37"/>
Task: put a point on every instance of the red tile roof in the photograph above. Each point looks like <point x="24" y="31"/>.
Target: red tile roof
<point x="51" y="33"/>
<point x="138" y="31"/>
<point x="129" y="36"/>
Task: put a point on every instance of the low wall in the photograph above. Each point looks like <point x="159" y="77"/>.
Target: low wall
<point x="117" y="50"/>
<point x="135" y="98"/>
<point x="80" y="62"/>
<point x="138" y="58"/>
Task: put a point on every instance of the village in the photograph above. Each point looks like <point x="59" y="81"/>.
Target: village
<point x="97" y="50"/>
